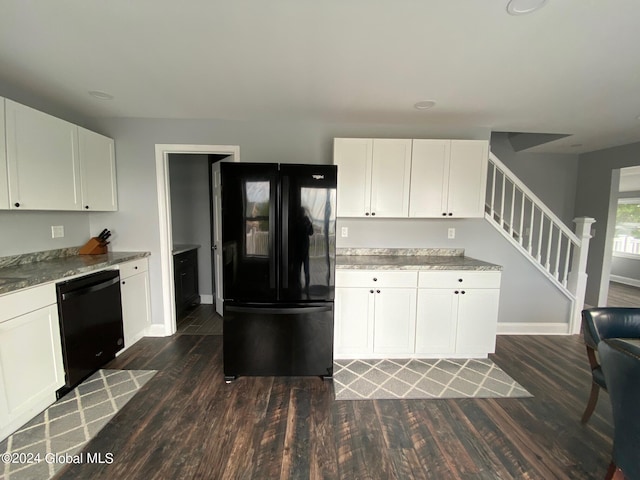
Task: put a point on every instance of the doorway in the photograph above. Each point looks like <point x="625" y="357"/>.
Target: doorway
<point x="211" y="153"/>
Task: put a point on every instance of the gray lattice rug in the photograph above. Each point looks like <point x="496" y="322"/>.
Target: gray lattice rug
<point x="418" y="378"/>
<point x="57" y="435"/>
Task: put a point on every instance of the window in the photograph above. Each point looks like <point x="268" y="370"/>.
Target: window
<point x="627" y="235"/>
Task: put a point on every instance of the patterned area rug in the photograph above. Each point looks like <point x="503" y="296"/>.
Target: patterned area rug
<point x="420" y="378"/>
<point x="57" y="435"/>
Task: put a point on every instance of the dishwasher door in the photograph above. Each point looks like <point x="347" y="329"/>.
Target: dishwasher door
<point x="90" y="313"/>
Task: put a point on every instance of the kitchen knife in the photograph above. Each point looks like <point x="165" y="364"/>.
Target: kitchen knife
<point x="102" y="234"/>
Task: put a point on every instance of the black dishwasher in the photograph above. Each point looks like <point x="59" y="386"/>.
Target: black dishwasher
<point x="90" y="313"/>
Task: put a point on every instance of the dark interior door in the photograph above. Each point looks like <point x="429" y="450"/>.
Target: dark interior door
<point x="249" y="231"/>
<point x="309" y="232"/>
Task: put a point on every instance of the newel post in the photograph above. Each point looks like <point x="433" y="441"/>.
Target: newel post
<point x="577" y="281"/>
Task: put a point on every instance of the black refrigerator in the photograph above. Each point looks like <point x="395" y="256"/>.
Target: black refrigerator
<point x="278" y="241"/>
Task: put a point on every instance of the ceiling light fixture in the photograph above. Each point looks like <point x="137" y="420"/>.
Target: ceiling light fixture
<point x="522" y="7"/>
<point x="100" y="95"/>
<point x="575" y="145"/>
<point x="424" y="105"/>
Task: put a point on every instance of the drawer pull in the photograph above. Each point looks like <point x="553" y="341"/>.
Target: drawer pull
<point x="377" y="291"/>
<point x="459" y="279"/>
<point x="370" y="291"/>
<point x="375" y="279"/>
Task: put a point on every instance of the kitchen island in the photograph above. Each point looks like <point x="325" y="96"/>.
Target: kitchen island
<point x="415" y="303"/>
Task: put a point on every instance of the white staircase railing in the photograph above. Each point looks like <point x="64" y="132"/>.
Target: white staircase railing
<point x="522" y="218"/>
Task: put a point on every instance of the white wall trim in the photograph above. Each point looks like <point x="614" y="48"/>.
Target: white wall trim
<point x="625" y="280"/>
<point x="155" y="330"/>
<point x="164" y="214"/>
<point x="206" y="299"/>
<point x="533" y="328"/>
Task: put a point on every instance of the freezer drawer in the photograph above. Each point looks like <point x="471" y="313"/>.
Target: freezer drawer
<point x="278" y="340"/>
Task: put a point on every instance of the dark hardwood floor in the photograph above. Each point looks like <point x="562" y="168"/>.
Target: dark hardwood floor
<point x="186" y="423"/>
<point x="200" y="320"/>
<point x="621" y="295"/>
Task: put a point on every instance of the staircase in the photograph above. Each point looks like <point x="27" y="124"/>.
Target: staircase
<point x="532" y="228"/>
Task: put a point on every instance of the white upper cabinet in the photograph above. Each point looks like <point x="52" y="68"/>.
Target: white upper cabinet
<point x="4" y="183"/>
<point x="390" y="177"/>
<point x="97" y="170"/>
<point x="468" y="177"/>
<point x="42" y="157"/>
<point x="51" y="164"/>
<point x="373" y="177"/>
<point x="354" y="157"/>
<point x="429" y="178"/>
<point x="448" y="178"/>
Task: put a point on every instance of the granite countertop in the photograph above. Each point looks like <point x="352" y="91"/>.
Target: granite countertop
<point x="410" y="259"/>
<point x="181" y="248"/>
<point x="28" y="270"/>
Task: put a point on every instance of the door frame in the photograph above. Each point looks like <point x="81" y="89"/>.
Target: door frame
<point x="164" y="220"/>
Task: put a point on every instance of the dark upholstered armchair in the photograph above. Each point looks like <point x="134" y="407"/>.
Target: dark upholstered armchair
<point x="621" y="366"/>
<point x="599" y="324"/>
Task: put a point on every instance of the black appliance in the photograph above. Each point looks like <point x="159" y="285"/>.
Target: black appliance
<point x="90" y="315"/>
<point x="278" y="240"/>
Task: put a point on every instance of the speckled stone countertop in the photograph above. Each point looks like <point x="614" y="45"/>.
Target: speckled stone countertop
<point x="19" y="272"/>
<point x="181" y="248"/>
<point x="409" y="259"/>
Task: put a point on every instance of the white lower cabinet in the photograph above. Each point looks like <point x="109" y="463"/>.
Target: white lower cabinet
<point x="394" y="320"/>
<point x="31" y="366"/>
<point x="381" y="313"/>
<point x="134" y="293"/>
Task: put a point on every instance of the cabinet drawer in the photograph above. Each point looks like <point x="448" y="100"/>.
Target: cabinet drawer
<point x="459" y="278"/>
<point x="26" y="300"/>
<point x="132" y="268"/>
<point x="376" y="278"/>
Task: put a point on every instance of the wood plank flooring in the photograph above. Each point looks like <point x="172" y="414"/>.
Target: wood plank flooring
<point x="186" y="423"/>
<point x="621" y="295"/>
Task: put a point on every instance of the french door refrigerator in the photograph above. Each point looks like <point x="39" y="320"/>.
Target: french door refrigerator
<point x="278" y="241"/>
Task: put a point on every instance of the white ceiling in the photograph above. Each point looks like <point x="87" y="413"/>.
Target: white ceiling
<point x="571" y="68"/>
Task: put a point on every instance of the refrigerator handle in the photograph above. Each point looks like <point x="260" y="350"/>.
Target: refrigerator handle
<point x="284" y="228"/>
<point x="281" y="310"/>
<point x="273" y="233"/>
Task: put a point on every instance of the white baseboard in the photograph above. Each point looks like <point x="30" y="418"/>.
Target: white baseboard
<point x="206" y="299"/>
<point x="533" y="329"/>
<point x="155" y="330"/>
<point x="625" y="280"/>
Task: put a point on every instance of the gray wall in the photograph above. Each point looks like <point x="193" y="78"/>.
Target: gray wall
<point x="137" y="224"/>
<point x="552" y="177"/>
<point x="25" y="232"/>
<point x="625" y="270"/>
<point x="526" y="295"/>
<point x="598" y="174"/>
<point x="190" y="213"/>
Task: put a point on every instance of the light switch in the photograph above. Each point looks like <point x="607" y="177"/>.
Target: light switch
<point x="451" y="233"/>
<point x="57" y="231"/>
<point x="344" y="232"/>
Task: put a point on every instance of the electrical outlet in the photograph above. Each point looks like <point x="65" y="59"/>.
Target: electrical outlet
<point x="451" y="233"/>
<point x="344" y="232"/>
<point x="57" y="231"/>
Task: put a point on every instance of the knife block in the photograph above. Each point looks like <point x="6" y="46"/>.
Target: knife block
<point x="93" y="247"/>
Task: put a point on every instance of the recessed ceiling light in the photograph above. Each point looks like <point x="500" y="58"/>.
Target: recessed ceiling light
<point x="100" y="95"/>
<point x="576" y="145"/>
<point x="424" y="105"/>
<point x="521" y="7"/>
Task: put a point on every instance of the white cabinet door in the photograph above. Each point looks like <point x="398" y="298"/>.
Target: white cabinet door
<point x="468" y="178"/>
<point x="98" y="171"/>
<point x="390" y="178"/>
<point x="353" y="156"/>
<point x="477" y="321"/>
<point x="42" y="157"/>
<point x="436" y="321"/>
<point x="353" y="321"/>
<point x="135" y="297"/>
<point x="4" y="184"/>
<point x="394" y="320"/>
<point x="429" y="178"/>
<point x="31" y="366"/>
